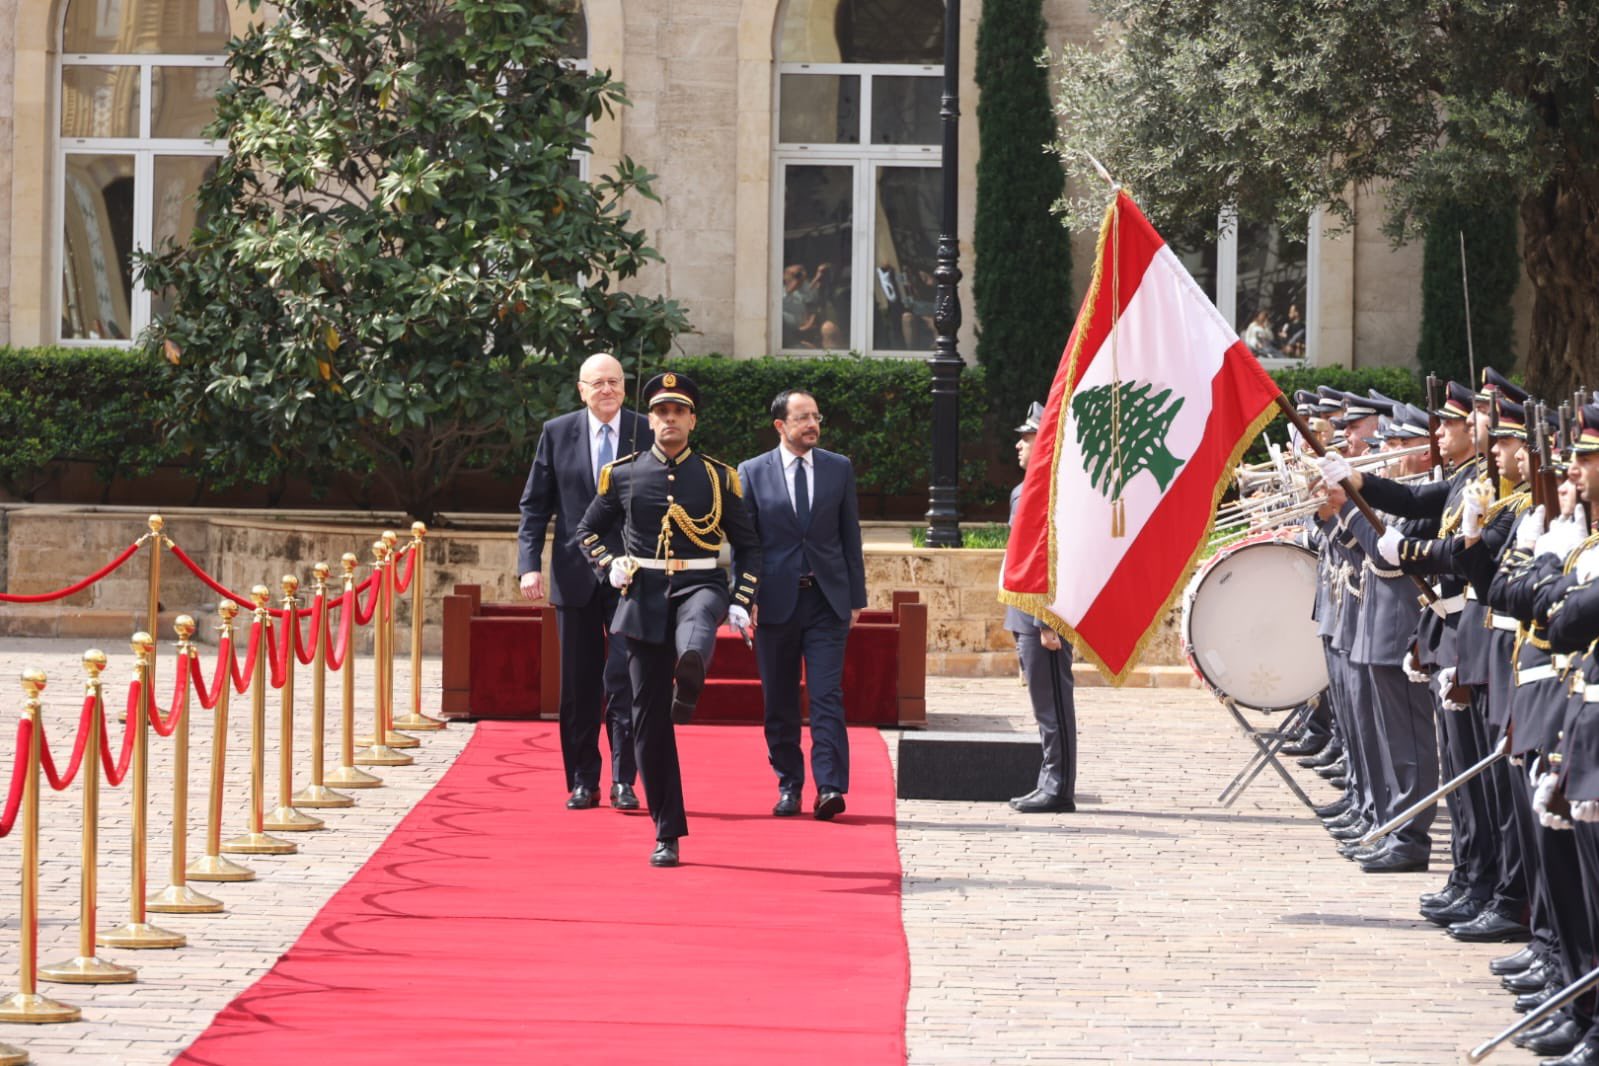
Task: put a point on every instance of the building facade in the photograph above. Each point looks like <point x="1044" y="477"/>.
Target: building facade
<point x="796" y="144"/>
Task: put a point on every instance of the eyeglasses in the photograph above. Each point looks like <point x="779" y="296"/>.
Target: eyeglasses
<point x="802" y="419"/>
<point x="602" y="383"/>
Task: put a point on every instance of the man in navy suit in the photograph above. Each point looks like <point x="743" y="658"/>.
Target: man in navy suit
<point x="812" y="588"/>
<point x="572" y="450"/>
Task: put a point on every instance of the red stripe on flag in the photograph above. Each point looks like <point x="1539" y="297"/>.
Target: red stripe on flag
<point x="1147" y="576"/>
<point x="1026" y="566"/>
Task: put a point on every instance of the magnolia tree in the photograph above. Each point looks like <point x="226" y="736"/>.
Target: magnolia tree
<point x="1277" y="109"/>
<point x="397" y="264"/>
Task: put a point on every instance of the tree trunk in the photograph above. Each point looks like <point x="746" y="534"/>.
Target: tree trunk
<point x="1560" y="250"/>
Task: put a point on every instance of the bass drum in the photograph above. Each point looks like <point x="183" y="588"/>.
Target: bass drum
<point x="1247" y="630"/>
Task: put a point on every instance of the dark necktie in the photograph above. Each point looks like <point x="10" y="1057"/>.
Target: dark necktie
<point x="607" y="453"/>
<point x="802" y="495"/>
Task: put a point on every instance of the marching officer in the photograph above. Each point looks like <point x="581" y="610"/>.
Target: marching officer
<point x="677" y="508"/>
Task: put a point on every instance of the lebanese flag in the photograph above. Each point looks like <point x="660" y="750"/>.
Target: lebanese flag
<point x="1153" y="405"/>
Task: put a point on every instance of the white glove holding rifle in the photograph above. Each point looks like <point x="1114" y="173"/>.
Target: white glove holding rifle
<point x="621" y="573"/>
<point x="1413" y="670"/>
<point x="1530" y="528"/>
<point x="1542" y="795"/>
<point x="1446" y="685"/>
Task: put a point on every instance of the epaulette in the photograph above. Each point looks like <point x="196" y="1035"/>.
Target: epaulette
<point x="1518" y="501"/>
<point x="604" y="485"/>
<point x="734" y="485"/>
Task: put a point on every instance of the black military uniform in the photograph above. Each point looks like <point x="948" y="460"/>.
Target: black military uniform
<point x="676" y="511"/>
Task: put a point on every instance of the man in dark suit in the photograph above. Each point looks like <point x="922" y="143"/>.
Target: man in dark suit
<point x="813" y="586"/>
<point x="572" y="450"/>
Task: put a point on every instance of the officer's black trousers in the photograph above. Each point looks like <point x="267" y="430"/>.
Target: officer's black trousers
<point x="594" y="685"/>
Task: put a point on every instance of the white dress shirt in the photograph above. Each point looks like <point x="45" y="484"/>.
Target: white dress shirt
<point x="594" y="440"/>
<point x="790" y="461"/>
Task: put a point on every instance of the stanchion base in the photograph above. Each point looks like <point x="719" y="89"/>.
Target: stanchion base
<point x="258" y="844"/>
<point x="350" y="777"/>
<point x="382" y="755"/>
<point x="140" y="936"/>
<point x="36" y="1010"/>
<point x="288" y="820"/>
<point x="216" y="868"/>
<point x="321" y="796"/>
<point x="13" y="1056"/>
<point x="181" y="899"/>
<point x="420" y="722"/>
<point x="87" y="970"/>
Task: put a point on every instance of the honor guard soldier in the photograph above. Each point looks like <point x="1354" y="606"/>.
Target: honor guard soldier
<point x="677" y="508"/>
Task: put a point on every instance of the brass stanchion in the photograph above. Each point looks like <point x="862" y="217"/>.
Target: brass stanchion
<point x="87" y="968"/>
<point x="391" y="573"/>
<point x="257" y="842"/>
<point x="347" y="775"/>
<point x="27" y="1005"/>
<point x="138" y="933"/>
<point x="379" y="749"/>
<point x="212" y="866"/>
<point x="284" y="818"/>
<point x="178" y="897"/>
<point x="317" y="793"/>
<point x="415" y="719"/>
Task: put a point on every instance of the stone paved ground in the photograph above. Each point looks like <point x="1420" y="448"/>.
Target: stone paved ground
<point x="1151" y="926"/>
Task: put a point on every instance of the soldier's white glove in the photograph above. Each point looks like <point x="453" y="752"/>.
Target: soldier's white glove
<point x="1334" y="468"/>
<point x="1561" y="540"/>
<point x="1446" y="684"/>
<point x="621" y="574"/>
<point x="1413" y="670"/>
<point x="1585" y="810"/>
<point x="738" y="618"/>
<point x="1475" y="504"/>
<point x="1388" y="545"/>
<point x="1530" y="528"/>
<point x="1588" y="565"/>
<point x="1542" y="793"/>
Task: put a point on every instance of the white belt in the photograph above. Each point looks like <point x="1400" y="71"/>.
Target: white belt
<point x="1561" y="661"/>
<point x="1505" y="622"/>
<point x="1537" y="673"/>
<point x="674" y="565"/>
<point x="1590" y="694"/>
<point x="1444" y="608"/>
<point x="1471" y="592"/>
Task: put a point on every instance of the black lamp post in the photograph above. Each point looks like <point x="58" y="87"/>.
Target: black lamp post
<point x="943" y="517"/>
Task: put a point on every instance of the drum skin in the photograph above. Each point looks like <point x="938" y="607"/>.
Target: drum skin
<point x="1247" y="626"/>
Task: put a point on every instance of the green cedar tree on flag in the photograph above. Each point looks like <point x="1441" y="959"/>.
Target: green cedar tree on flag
<point x="1153" y="404"/>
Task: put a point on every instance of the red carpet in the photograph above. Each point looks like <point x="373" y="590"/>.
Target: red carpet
<point x="494" y="926"/>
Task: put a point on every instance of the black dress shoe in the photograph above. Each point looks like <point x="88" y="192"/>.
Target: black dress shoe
<point x="1490" y="927"/>
<point x="1463" y="909"/>
<point x="1363" y="855"/>
<point x="1312" y="744"/>
<point x="1345" y="820"/>
<point x="1338" y="782"/>
<point x="665" y="853"/>
<point x="788" y="804"/>
<point x="1329" y="755"/>
<point x="1442" y="898"/>
<point x="1335" y="809"/>
<point x="1038" y="802"/>
<point x="829" y="805"/>
<point x="1534" y="1000"/>
<point x="1340" y="768"/>
<point x="1394" y="861"/>
<point x="581" y="799"/>
<point x="689" y="678"/>
<point x="1355" y="830"/>
<point x="1529" y="980"/>
<point x="1521" y="961"/>
<point x="623" y="798"/>
<point x="1584" y="1054"/>
<point x="1558" y="1041"/>
<point x="1548" y="1025"/>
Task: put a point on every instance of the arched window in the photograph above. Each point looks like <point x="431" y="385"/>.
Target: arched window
<point x="138" y="80"/>
<point x="856" y="180"/>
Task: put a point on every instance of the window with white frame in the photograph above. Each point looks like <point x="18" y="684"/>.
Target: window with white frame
<point x="856" y="189"/>
<point x="1262" y="279"/>
<point x="138" y="80"/>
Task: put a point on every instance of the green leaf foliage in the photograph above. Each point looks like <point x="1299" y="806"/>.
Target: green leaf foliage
<point x="1021" y="287"/>
<point x="397" y="267"/>
<point x="1492" y="270"/>
<point x="1277" y="109"/>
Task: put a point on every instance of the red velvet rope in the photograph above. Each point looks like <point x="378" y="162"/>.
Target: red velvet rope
<point x="209" y="696"/>
<point x="363" y="615"/>
<point x="241" y="678"/>
<point x="61" y="781"/>
<point x="220" y="589"/>
<point x="180" y="704"/>
<point x="19" y="775"/>
<point x="339" y="650"/>
<point x="115" y="772"/>
<point x="59" y="594"/>
<point x="309" y="654"/>
<point x="278" y="657"/>
<point x="401" y="584"/>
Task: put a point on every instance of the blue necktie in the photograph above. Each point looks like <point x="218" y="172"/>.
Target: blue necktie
<point x="607" y="453"/>
<point x="802" y="495"/>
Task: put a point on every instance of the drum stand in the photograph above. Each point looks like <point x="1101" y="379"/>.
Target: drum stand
<point x="1268" y="742"/>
